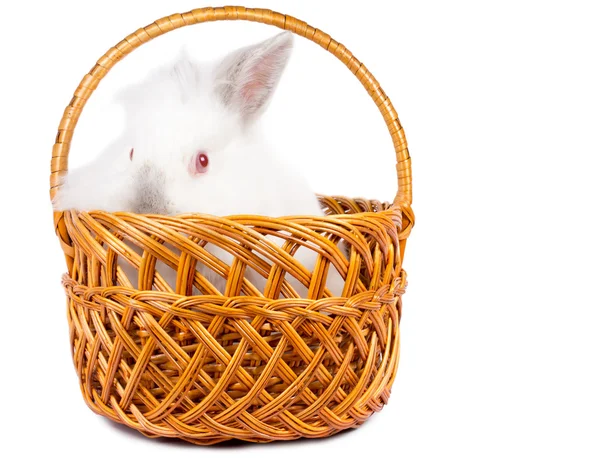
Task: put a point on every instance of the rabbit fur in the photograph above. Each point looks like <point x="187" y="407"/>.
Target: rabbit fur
<point x="187" y="111"/>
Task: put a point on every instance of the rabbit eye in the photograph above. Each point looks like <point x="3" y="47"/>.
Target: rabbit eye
<point x="200" y="163"/>
<point x="131" y="155"/>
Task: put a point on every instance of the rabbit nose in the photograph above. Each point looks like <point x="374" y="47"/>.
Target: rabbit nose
<point x="150" y="187"/>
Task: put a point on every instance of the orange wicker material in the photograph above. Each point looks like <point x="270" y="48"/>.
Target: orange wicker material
<point x="250" y="364"/>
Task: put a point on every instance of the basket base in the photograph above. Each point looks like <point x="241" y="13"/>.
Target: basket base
<point x="130" y="431"/>
<point x="232" y="442"/>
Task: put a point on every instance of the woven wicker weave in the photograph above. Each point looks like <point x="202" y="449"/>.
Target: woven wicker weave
<point x="252" y="365"/>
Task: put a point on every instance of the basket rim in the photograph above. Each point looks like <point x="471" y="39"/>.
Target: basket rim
<point x="392" y="210"/>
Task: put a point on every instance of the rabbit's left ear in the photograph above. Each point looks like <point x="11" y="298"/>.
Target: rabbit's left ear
<point x="246" y="78"/>
<point x="181" y="75"/>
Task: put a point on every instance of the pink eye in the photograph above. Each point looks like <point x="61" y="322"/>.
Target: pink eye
<point x="199" y="164"/>
<point x="131" y="155"/>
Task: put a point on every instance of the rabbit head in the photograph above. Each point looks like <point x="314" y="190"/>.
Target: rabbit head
<point x="191" y="137"/>
<point x="191" y="143"/>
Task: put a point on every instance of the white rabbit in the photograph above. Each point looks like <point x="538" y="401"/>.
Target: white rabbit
<point x="192" y="145"/>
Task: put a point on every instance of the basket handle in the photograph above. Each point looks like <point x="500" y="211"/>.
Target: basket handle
<point x="60" y="150"/>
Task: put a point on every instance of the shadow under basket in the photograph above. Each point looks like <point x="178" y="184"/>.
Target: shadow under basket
<point x="255" y="364"/>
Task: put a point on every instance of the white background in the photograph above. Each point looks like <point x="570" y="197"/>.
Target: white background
<point x="501" y="325"/>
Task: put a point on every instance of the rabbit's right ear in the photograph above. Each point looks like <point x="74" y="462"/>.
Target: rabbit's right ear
<point x="246" y="78"/>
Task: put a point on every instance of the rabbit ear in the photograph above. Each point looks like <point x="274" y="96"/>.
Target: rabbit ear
<point x="181" y="74"/>
<point x="246" y="78"/>
<point x="185" y="73"/>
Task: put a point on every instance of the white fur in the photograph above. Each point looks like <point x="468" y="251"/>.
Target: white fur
<point x="186" y="108"/>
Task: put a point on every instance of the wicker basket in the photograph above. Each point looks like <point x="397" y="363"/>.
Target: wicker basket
<point x="248" y="364"/>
